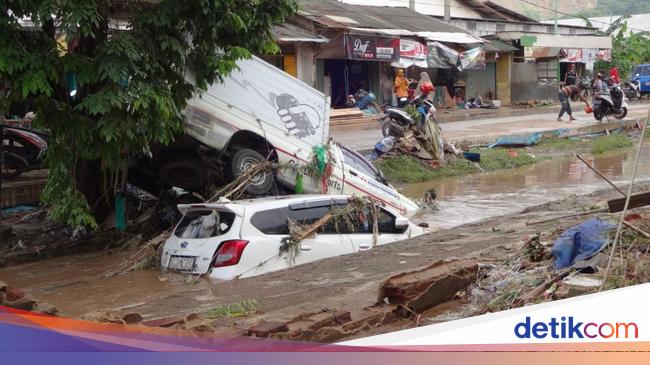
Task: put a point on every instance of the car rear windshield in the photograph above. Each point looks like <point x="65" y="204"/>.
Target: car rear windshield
<point x="204" y="224"/>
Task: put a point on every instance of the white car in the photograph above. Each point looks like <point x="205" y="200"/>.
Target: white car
<point x="237" y="239"/>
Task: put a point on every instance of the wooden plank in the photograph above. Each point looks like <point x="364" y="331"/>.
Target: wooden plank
<point x="636" y="201"/>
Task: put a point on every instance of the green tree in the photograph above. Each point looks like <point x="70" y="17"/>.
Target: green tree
<point x="628" y="49"/>
<point x="107" y="78"/>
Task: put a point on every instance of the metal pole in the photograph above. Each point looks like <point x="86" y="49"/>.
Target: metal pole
<point x="555" y="16"/>
<point x="601" y="175"/>
<point x="447" y="11"/>
<point x="412" y="4"/>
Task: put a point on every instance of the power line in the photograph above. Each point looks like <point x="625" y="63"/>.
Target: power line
<point x="575" y="17"/>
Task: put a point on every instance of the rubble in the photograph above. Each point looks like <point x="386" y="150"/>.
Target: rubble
<point x="422" y="289"/>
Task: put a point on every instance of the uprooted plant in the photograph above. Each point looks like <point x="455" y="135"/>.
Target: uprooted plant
<point x="359" y="213"/>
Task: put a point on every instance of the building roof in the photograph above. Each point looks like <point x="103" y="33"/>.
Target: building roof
<point x="490" y="10"/>
<point x="338" y="15"/>
<point x="496" y="45"/>
<point x="287" y="32"/>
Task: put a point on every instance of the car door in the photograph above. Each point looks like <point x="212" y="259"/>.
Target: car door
<point x="269" y="229"/>
<point x="362" y="236"/>
<point x="325" y="242"/>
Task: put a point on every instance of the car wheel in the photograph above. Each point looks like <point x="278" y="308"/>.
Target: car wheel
<point x="185" y="172"/>
<point x="12" y="167"/>
<point x="245" y="159"/>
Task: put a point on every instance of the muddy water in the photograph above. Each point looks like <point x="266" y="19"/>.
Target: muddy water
<point x="472" y="198"/>
<point x="71" y="283"/>
<point x="78" y="284"/>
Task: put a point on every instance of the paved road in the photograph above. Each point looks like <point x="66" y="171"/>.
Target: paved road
<point x="364" y="138"/>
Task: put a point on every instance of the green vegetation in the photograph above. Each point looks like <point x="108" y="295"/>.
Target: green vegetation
<point x="407" y="169"/>
<point x="617" y="7"/>
<point x="233" y="310"/>
<point x="107" y="94"/>
<point x="602" y="144"/>
<point x="610" y="143"/>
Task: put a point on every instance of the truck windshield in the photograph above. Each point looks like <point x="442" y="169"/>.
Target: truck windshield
<point x="204" y="224"/>
<point x="360" y="163"/>
<point x="643" y="70"/>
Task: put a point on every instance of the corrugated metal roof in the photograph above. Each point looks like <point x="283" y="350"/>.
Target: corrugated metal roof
<point x="496" y="45"/>
<point x="334" y="14"/>
<point x="287" y="32"/>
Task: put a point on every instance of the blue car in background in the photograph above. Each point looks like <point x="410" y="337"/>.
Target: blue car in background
<point x="641" y="73"/>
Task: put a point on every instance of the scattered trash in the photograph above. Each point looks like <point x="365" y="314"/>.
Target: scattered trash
<point x="17" y="209"/>
<point x="472" y="156"/>
<point x="521" y="140"/>
<point x="580" y="242"/>
<point x="585" y="281"/>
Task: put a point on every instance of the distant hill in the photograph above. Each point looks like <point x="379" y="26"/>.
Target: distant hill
<point x="587" y="8"/>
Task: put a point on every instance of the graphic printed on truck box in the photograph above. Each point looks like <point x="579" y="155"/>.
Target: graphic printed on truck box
<point x="296" y="110"/>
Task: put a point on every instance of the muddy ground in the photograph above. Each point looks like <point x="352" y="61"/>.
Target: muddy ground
<point x="92" y="282"/>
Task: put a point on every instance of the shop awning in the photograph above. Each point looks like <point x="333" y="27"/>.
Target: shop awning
<point x="289" y="33"/>
<point x="496" y="45"/>
<point x="450" y="37"/>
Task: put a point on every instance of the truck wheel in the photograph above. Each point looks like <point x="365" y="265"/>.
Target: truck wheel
<point x="185" y="172"/>
<point x="245" y="159"/>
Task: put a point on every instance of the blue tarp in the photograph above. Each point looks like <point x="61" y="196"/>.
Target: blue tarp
<point x="580" y="242"/>
<point x="522" y="140"/>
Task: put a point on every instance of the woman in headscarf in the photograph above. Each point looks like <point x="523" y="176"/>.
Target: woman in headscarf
<point x="424" y="77"/>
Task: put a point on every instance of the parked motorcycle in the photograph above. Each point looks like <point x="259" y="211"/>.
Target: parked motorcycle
<point x="632" y="89"/>
<point x="397" y="120"/>
<point x="614" y="104"/>
<point x="22" y="150"/>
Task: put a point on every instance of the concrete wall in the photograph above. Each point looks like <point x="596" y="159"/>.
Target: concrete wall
<point x="526" y="87"/>
<point x="306" y="67"/>
<point x="481" y="82"/>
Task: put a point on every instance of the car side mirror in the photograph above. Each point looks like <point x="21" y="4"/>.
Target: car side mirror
<point x="401" y="223"/>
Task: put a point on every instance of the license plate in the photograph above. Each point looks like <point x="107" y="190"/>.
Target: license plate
<point x="181" y="263"/>
<point x="647" y="83"/>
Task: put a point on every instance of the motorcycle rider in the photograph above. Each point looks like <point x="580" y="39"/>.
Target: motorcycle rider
<point x="565" y="94"/>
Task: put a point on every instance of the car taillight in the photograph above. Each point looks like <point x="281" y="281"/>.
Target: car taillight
<point x="229" y="253"/>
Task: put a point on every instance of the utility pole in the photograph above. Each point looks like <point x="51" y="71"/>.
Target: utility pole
<point x="412" y="4"/>
<point x="555" y="16"/>
<point x="447" y="11"/>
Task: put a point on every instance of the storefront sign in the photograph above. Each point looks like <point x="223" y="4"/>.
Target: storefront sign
<point x="371" y="48"/>
<point x="604" y="55"/>
<point x="411" y="53"/>
<point x="573" y="55"/>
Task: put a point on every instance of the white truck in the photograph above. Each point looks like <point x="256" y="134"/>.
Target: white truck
<point x="261" y="112"/>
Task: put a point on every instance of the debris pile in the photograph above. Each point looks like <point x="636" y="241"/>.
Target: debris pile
<point x="18" y="299"/>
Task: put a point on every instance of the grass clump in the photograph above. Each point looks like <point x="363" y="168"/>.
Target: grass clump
<point x="407" y="169"/>
<point x="610" y="143"/>
<point x="233" y="310"/>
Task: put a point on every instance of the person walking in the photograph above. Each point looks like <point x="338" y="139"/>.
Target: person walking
<point x="565" y="95"/>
